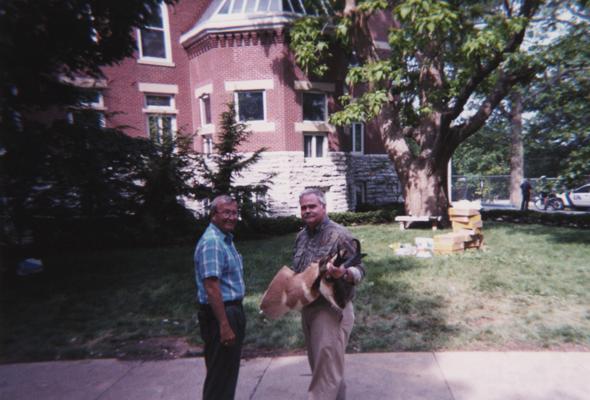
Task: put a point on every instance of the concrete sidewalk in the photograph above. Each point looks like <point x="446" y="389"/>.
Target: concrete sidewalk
<point x="406" y="376"/>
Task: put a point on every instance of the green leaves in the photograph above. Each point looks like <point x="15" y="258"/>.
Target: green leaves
<point x="311" y="45"/>
<point x="425" y="17"/>
<point x="366" y="107"/>
<point x="371" y="73"/>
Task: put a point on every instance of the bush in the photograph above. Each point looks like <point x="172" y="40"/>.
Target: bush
<point x="379" y="216"/>
<point x="57" y="234"/>
<point x="534" y="217"/>
<point x="261" y="227"/>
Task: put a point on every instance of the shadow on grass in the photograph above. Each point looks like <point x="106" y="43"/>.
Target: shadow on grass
<point x="391" y="316"/>
<point x="561" y="235"/>
<point x="88" y="304"/>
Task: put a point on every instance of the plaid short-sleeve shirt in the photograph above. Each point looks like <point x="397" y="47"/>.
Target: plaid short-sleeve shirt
<point x="216" y="256"/>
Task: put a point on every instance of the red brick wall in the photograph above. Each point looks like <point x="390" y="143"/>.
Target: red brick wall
<point x="265" y="58"/>
<point x="123" y="97"/>
<point x="234" y="59"/>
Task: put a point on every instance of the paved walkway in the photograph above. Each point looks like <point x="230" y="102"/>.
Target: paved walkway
<point x="405" y="376"/>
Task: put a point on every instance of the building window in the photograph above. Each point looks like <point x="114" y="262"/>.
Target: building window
<point x="159" y="101"/>
<point x="161" y="127"/>
<point x="314" y="107"/>
<point x="358" y="138"/>
<point x="207" y="144"/>
<point x="250" y="106"/>
<point x="205" y="106"/>
<point x="315" y="146"/>
<point x="154" y="37"/>
<point x="89" y="112"/>
<point x="360" y="194"/>
<point x="161" y="116"/>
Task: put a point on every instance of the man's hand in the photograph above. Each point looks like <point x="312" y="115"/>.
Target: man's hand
<point x="335" y="272"/>
<point x="227" y="337"/>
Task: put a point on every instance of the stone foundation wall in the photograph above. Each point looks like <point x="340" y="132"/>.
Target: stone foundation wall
<point x="339" y="175"/>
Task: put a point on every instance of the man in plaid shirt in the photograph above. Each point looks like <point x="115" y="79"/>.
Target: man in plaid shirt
<point x="220" y="288"/>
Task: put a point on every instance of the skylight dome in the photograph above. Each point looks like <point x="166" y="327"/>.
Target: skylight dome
<point x="240" y="15"/>
<point x="265" y="6"/>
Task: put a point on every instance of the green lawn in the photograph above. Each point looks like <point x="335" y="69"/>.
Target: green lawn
<point x="528" y="289"/>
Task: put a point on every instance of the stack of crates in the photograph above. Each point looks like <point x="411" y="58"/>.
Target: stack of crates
<point x="467" y="232"/>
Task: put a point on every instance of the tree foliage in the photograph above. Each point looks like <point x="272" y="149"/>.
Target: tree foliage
<point x="450" y="64"/>
<point x="558" y="139"/>
<point x="487" y="152"/>
<point x="66" y="171"/>
<point x="167" y="171"/>
<point x="556" y="105"/>
<point x="41" y="42"/>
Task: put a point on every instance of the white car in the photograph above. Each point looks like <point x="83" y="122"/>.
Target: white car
<point x="579" y="197"/>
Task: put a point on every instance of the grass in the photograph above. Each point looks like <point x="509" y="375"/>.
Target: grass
<point x="529" y="289"/>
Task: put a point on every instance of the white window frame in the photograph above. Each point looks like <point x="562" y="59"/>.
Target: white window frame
<point x="352" y="134"/>
<point x="325" y="106"/>
<point x="167" y="60"/>
<point x="207" y="144"/>
<point x="202" y="98"/>
<point x="237" y="105"/>
<point x="363" y="190"/>
<point x="160" y="111"/>
<point x="97" y="106"/>
<point x="314" y="136"/>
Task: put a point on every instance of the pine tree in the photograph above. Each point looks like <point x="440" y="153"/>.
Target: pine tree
<point x="220" y="170"/>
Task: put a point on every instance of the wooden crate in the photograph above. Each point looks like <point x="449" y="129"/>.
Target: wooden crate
<point x="476" y="226"/>
<point x="465" y="219"/>
<point x="462" y="212"/>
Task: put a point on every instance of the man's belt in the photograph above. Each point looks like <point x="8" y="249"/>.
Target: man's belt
<point x="225" y="303"/>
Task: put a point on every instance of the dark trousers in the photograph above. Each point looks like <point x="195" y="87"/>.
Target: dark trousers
<point x="524" y="205"/>
<point x="223" y="362"/>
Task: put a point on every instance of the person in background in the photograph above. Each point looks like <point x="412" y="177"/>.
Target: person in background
<point x="220" y="290"/>
<point x="525" y="190"/>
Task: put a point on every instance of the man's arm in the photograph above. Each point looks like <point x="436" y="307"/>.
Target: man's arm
<point x="226" y="334"/>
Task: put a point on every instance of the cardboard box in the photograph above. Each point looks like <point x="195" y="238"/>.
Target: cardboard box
<point x="473" y="226"/>
<point x="463" y="212"/>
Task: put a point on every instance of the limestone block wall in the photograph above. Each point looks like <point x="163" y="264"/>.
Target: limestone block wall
<point x="381" y="181"/>
<point x="338" y="175"/>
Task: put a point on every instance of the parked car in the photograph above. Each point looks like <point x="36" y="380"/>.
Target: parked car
<point x="577" y="198"/>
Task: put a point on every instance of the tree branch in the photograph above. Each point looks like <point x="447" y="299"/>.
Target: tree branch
<point x="502" y="88"/>
<point x="527" y="10"/>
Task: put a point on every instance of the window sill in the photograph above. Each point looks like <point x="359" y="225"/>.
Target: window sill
<point x="159" y="63"/>
<point x="260" y="126"/>
<point x="207" y="129"/>
<point x="313" y="126"/>
<point x="159" y="111"/>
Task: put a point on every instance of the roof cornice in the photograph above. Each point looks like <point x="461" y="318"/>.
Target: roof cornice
<point x="237" y="23"/>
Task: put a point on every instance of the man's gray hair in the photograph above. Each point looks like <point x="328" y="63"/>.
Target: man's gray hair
<point x="217" y="201"/>
<point x="315" y="191"/>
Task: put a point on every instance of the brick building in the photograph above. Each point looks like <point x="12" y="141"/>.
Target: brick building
<point x="197" y="55"/>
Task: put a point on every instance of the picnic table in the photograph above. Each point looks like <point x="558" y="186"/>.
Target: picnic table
<point x="406" y="220"/>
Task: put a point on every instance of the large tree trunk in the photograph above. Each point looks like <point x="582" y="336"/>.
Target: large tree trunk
<point x="516" y="149"/>
<point x="424" y="194"/>
<point x="423" y="177"/>
<point x="423" y="189"/>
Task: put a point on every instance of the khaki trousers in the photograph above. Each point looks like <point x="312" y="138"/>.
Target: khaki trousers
<point x="326" y="336"/>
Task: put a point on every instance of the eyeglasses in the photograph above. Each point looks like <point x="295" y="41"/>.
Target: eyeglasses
<point x="229" y="213"/>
